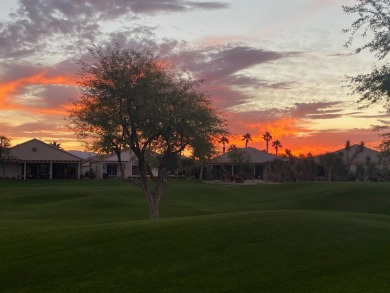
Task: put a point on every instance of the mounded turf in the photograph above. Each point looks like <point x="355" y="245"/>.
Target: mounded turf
<point x="95" y="236"/>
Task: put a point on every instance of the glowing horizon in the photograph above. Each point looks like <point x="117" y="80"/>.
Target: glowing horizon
<point x="279" y="74"/>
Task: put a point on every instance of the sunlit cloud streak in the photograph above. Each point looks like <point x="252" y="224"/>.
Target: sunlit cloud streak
<point x="46" y="80"/>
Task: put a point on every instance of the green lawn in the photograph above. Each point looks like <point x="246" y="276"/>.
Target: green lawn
<point x="95" y="236"/>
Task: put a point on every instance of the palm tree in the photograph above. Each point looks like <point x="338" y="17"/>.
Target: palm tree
<point x="224" y="140"/>
<point x="247" y="137"/>
<point x="267" y="137"/>
<point x="56" y="145"/>
<point x="232" y="148"/>
<point x="276" y="144"/>
<point x="349" y="158"/>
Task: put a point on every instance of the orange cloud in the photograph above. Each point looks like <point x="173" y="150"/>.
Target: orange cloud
<point x="47" y="111"/>
<point x="9" y="88"/>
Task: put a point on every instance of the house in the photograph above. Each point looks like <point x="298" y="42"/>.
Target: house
<point x="358" y="155"/>
<point x="249" y="161"/>
<point x="107" y="166"/>
<point x="356" y="161"/>
<point x="35" y="159"/>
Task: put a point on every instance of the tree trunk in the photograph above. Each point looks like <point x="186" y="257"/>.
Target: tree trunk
<point x="153" y="210"/>
<point x="201" y="172"/>
<point x="329" y="172"/>
<point x="153" y="197"/>
<point x="122" y="170"/>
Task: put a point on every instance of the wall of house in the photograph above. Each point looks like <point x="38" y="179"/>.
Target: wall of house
<point x="100" y="168"/>
<point x="11" y="171"/>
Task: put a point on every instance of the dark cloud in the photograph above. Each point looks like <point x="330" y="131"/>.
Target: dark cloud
<point x="216" y="63"/>
<point x="37" y="25"/>
<point x="25" y="72"/>
<point x="378" y="116"/>
<point x="340" y="54"/>
<point x="14" y="71"/>
<point x="208" y="5"/>
<point x="58" y="95"/>
<point x="224" y="97"/>
<point x="36" y="127"/>
<point x="233" y="59"/>
<point x="157" y="6"/>
<point x="222" y="68"/>
<point x="244" y="81"/>
<point x="316" y="110"/>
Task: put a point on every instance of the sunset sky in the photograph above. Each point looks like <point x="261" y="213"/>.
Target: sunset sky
<point x="276" y="66"/>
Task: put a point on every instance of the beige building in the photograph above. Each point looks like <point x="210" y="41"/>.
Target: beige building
<point x="358" y="158"/>
<point x="107" y="166"/>
<point x="249" y="161"/>
<point x="366" y="156"/>
<point x="35" y="159"/>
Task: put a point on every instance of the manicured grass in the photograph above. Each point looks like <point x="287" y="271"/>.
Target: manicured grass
<point x="95" y="236"/>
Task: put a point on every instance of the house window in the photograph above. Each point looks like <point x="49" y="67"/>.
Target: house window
<point x="112" y="170"/>
<point x="135" y="170"/>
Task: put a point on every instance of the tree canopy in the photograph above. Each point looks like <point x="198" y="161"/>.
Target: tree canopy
<point x="373" y="23"/>
<point x="5" y="144"/>
<point x="152" y="107"/>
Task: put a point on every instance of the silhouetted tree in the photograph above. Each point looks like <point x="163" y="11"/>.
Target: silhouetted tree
<point x="276" y="144"/>
<point x="279" y="170"/>
<point x="350" y="157"/>
<point x="203" y="150"/>
<point x="56" y="145"/>
<point x="247" y="137"/>
<point x="267" y="137"/>
<point x="333" y="164"/>
<point x="110" y="142"/>
<point x="374" y="87"/>
<point x="157" y="110"/>
<point x="224" y="140"/>
<point x="240" y="158"/>
<point x="5" y="145"/>
<point x="384" y="133"/>
<point x="232" y="147"/>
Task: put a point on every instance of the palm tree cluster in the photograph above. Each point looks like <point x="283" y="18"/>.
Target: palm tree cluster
<point x="276" y="144"/>
<point x="247" y="137"/>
